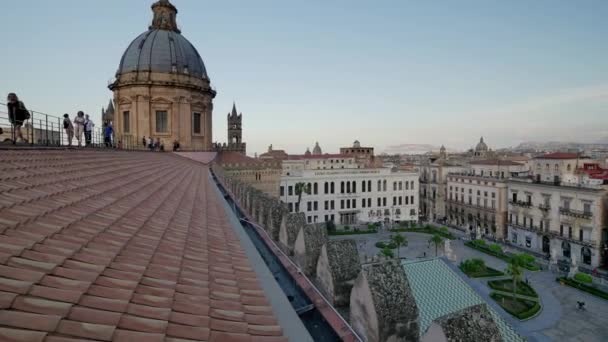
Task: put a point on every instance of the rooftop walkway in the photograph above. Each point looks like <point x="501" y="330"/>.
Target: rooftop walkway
<point x="122" y="246"/>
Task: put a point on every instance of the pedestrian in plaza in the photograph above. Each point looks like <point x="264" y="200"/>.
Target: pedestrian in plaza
<point x="69" y="128"/>
<point x="17" y="114"/>
<point x="88" y="130"/>
<point x="107" y="134"/>
<point x="175" y="146"/>
<point x="143" y="141"/>
<point x="79" y="121"/>
<point x="157" y="145"/>
<point x="150" y="143"/>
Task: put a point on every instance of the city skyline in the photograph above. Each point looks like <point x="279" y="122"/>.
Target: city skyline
<point x="300" y="73"/>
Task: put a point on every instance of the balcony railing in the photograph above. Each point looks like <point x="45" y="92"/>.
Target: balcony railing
<point x="521" y="203"/>
<point x="584" y="242"/>
<point x="544" y="207"/>
<point x="576" y="213"/>
<point x="528" y="228"/>
<point x="474" y="206"/>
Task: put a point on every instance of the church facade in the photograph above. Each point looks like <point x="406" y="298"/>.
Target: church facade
<point x="162" y="89"/>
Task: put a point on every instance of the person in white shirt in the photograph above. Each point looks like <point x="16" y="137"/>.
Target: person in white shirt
<point x="88" y="130"/>
<point x="79" y="127"/>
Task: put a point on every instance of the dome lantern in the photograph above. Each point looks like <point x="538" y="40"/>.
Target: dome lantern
<point x="164" y="16"/>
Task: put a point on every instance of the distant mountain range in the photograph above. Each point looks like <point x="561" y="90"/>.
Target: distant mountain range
<point x="559" y="146"/>
<point x="412" y="149"/>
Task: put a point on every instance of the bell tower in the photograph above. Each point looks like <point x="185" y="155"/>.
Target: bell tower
<point x="235" y="131"/>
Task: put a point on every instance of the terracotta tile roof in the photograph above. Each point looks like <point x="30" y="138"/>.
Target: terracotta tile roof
<point x="118" y="246"/>
<point x="319" y="156"/>
<point x="560" y="155"/>
<point x="497" y="162"/>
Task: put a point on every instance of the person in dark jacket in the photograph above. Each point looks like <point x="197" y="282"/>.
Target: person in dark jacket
<point x="107" y="134"/>
<point x="17" y="114"/>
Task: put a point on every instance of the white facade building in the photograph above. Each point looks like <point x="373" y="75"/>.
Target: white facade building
<point x="560" y="211"/>
<point x="347" y="193"/>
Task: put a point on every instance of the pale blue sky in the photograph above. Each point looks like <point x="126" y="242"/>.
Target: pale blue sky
<point x="384" y="72"/>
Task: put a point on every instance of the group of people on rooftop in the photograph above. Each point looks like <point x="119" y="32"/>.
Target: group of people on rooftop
<point x="81" y="124"/>
<point x="78" y="127"/>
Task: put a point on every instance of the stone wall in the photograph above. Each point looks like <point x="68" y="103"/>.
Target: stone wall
<point x="289" y="230"/>
<point x="382" y="306"/>
<point x="474" y="323"/>
<point x="332" y="264"/>
<point x="337" y="269"/>
<point x="307" y="247"/>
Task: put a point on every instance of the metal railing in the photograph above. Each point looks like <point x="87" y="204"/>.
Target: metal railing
<point x="575" y="213"/>
<point x="42" y="129"/>
<point x="45" y="130"/>
<point x="521" y="203"/>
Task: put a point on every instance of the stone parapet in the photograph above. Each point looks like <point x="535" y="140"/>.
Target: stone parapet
<point x="289" y="230"/>
<point x="474" y="323"/>
<point x="337" y="269"/>
<point x="382" y="305"/>
<point x="307" y="247"/>
<point x="277" y="215"/>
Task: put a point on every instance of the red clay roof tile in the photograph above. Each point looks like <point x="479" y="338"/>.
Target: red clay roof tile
<point x="18" y="335"/>
<point x="136" y="336"/>
<point x="86" y="330"/>
<point x="70" y="296"/>
<point x="25" y="320"/>
<point x="41" y="306"/>
<point x="132" y="240"/>
<point x="88" y="315"/>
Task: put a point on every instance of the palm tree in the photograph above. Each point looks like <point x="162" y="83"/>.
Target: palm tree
<point x="515" y="271"/>
<point x="436" y="240"/>
<point x="387" y="253"/>
<point x="399" y="241"/>
<point x="301" y="188"/>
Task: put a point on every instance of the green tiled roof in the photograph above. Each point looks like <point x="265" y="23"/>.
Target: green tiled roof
<point x="439" y="291"/>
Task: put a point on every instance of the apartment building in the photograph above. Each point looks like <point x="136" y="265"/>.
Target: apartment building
<point x="347" y="192"/>
<point x="560" y="210"/>
<point x="477" y="204"/>
<point x="433" y="186"/>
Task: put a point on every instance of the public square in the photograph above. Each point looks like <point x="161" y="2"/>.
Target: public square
<point x="559" y="320"/>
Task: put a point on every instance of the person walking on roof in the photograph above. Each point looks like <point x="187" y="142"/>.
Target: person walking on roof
<point x="79" y="121"/>
<point x="17" y="114"/>
<point x="69" y="128"/>
<point x="88" y="129"/>
<point x="107" y="135"/>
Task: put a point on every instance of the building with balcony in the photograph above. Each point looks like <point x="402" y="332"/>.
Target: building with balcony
<point x="498" y="168"/>
<point x="566" y="222"/>
<point x="477" y="204"/>
<point x="433" y="186"/>
<point x="341" y="190"/>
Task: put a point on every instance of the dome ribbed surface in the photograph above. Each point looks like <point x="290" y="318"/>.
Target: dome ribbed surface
<point x="162" y="51"/>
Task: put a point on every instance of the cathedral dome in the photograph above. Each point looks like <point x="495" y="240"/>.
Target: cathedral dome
<point x="481" y="146"/>
<point x="317" y="150"/>
<point x="162" y="48"/>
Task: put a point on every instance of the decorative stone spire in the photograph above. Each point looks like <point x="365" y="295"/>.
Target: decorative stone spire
<point x="164" y="16"/>
<point x="234" y="113"/>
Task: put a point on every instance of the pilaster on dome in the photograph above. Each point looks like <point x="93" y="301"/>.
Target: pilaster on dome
<point x="165" y="16"/>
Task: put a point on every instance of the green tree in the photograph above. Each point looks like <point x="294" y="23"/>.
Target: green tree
<point x="399" y="241"/>
<point x="445" y="231"/>
<point x="436" y="240"/>
<point x="330" y="226"/>
<point x="475" y="265"/>
<point x="515" y="271"/>
<point x="301" y="188"/>
<point x="387" y="252"/>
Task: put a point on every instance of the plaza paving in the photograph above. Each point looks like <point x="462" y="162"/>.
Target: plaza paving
<point x="558" y="321"/>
